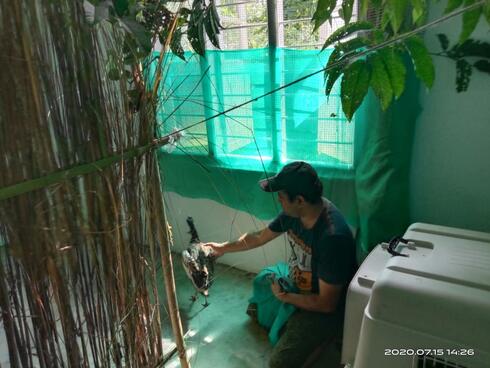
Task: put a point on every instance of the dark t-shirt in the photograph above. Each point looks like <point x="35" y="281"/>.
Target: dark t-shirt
<point x="326" y="251"/>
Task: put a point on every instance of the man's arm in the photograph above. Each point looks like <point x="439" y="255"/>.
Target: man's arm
<point x="325" y="301"/>
<point x="245" y="242"/>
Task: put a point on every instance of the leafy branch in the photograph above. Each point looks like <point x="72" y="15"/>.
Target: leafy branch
<point x="140" y="23"/>
<point x="384" y="70"/>
<point x="462" y="54"/>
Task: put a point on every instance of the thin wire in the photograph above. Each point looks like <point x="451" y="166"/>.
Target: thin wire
<point x="351" y="56"/>
<point x="348" y="58"/>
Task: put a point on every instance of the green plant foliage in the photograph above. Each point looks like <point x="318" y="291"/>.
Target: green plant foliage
<point x="392" y="18"/>
<point x="464" y="54"/>
<point x="121" y="7"/>
<point x="463" y="74"/>
<point x="332" y="73"/>
<point x="176" y="44"/>
<point x="486" y="11"/>
<point x="395" y="68"/>
<point x="452" y="5"/>
<point x="138" y="31"/>
<point x="380" y="80"/>
<point x="483" y="66"/>
<point x="138" y="23"/>
<point x="419" y="11"/>
<point x="470" y="20"/>
<point x="336" y="61"/>
<point x="443" y="40"/>
<point x="354" y="86"/>
<point x="346" y="10"/>
<point x="422" y="61"/>
<point x="195" y="29"/>
<point x="396" y="11"/>
<point x="345" y="31"/>
<point x="323" y="12"/>
<point x="212" y="25"/>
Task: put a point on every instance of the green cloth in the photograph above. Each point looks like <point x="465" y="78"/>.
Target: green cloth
<point x="383" y="170"/>
<point x="272" y="314"/>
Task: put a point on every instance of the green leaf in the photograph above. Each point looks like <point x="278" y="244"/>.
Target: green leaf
<point x="140" y="34"/>
<point x="215" y="16"/>
<point x="380" y="80"/>
<point x="470" y="20"/>
<point x="443" y="41"/>
<point x="463" y="74"/>
<point x="332" y="76"/>
<point x="324" y="9"/>
<point x="486" y="11"/>
<point x="195" y="29"/>
<point x="332" y="73"/>
<point x="396" y="10"/>
<point x="345" y="31"/>
<point x="395" y="68"/>
<point x="347" y="6"/>
<point x="452" y="5"/>
<point x="363" y="8"/>
<point x="422" y="62"/>
<point x="121" y="7"/>
<point x="482" y="65"/>
<point x="473" y="48"/>
<point x="353" y="45"/>
<point x="354" y="87"/>
<point x="378" y="36"/>
<point x="176" y="44"/>
<point x="211" y="23"/>
<point x="419" y="11"/>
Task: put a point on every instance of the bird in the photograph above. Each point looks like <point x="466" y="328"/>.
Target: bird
<point x="198" y="262"/>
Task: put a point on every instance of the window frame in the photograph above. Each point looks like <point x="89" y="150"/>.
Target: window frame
<point x="275" y="31"/>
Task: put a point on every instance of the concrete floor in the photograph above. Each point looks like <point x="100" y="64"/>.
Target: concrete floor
<point x="222" y="334"/>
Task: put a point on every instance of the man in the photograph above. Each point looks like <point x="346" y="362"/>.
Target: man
<point x="322" y="262"/>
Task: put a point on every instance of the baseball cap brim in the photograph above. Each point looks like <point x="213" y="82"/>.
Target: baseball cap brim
<point x="270" y="184"/>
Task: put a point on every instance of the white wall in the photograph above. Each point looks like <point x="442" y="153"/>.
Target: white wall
<point x="450" y="178"/>
<point x="216" y="222"/>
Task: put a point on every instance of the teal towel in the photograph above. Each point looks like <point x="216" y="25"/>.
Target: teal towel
<point x="271" y="312"/>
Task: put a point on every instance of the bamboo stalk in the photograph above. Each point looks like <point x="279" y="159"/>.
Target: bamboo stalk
<point x="169" y="280"/>
<point x="56" y="177"/>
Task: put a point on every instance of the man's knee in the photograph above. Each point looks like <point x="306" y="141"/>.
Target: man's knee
<point x="276" y="361"/>
<point x="281" y="359"/>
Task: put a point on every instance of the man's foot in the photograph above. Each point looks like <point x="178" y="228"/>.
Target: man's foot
<point x="252" y="311"/>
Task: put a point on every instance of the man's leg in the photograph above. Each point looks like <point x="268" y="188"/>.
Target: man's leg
<point x="303" y="333"/>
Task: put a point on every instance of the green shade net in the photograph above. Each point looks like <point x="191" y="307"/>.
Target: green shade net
<point x="297" y="122"/>
<point x="223" y="158"/>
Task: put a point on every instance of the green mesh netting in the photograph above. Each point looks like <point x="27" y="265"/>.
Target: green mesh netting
<point x="224" y="158"/>
<point x="296" y="123"/>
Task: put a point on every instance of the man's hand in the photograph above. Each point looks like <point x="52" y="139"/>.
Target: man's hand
<point x="277" y="291"/>
<point x="217" y="249"/>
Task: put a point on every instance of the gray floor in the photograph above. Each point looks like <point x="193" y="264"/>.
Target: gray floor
<point x="222" y="335"/>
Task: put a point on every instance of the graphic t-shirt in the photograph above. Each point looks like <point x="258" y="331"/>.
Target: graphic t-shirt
<point x="326" y="251"/>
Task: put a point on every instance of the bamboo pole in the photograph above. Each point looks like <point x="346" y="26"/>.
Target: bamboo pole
<point x="56" y="177"/>
<point x="169" y="281"/>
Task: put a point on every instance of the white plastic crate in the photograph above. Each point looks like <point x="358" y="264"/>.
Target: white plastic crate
<point x="428" y="309"/>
